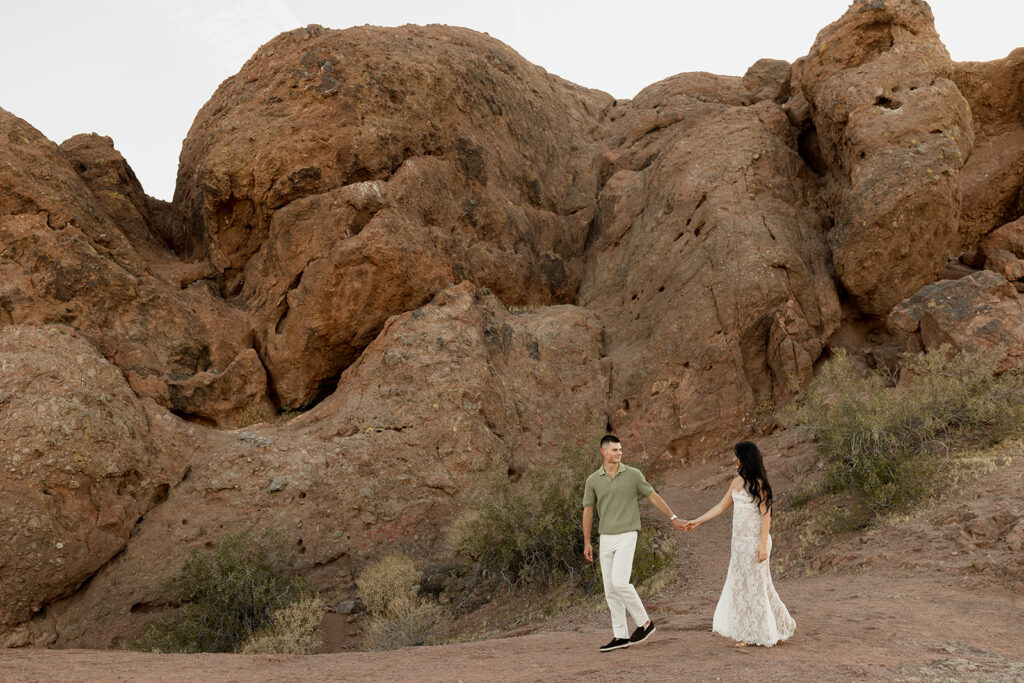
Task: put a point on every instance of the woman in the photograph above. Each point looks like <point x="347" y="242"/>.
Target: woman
<point x="749" y="611"/>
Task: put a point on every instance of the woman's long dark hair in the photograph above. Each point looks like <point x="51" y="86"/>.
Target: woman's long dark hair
<point x="755" y="479"/>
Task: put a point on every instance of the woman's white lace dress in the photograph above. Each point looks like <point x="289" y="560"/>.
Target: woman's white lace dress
<point x="749" y="609"/>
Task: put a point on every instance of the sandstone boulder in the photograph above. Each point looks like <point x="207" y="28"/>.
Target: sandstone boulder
<point x="768" y="79"/>
<point x="707" y="265"/>
<point x="992" y="177"/>
<point x="345" y="176"/>
<point x="65" y="260"/>
<point x="235" y="397"/>
<point x="113" y="183"/>
<point x="1002" y="251"/>
<point x="978" y="313"/>
<point x="894" y="131"/>
<point x="79" y="466"/>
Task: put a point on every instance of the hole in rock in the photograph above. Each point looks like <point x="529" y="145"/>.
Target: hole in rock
<point x="195" y="419"/>
<point x="809" y="148"/>
<point x="161" y="493"/>
<point x="886" y="103"/>
<point x="360" y="175"/>
<point x="144" y="608"/>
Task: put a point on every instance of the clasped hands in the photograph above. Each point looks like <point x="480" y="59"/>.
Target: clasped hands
<point x="685" y="525"/>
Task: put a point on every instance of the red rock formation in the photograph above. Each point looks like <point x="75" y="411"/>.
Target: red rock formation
<point x="235" y="397"/>
<point x="113" y="183"/>
<point x="66" y="260"/>
<point x="992" y="177"/>
<point x="392" y="226"/>
<point x="1002" y="251"/>
<point x="345" y="176"/>
<point x="708" y="264"/>
<point x="79" y="466"/>
<point x="980" y="312"/>
<point x="894" y="131"/>
<point x="457" y="388"/>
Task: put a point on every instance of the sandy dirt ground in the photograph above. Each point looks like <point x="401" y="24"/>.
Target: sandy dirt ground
<point x="870" y="625"/>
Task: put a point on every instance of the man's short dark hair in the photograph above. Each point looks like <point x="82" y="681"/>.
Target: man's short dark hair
<point x="609" y="438"/>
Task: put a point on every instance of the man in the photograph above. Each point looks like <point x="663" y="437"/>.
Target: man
<point x="614" y="490"/>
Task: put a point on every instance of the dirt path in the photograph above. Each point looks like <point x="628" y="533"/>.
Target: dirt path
<point x="870" y="625"/>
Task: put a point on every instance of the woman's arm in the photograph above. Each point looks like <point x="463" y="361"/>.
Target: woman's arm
<point x="766" y="523"/>
<point x="722" y="506"/>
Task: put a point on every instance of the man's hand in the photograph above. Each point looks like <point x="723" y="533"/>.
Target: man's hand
<point x="588" y="552"/>
<point x="679" y="524"/>
<point x="689" y="525"/>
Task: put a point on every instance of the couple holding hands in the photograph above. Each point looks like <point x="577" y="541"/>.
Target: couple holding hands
<point x="749" y="611"/>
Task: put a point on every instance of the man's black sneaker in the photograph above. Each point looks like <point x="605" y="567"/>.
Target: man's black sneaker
<point x="641" y="634"/>
<point x="615" y="644"/>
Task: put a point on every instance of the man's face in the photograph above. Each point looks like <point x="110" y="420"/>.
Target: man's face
<point x="612" y="453"/>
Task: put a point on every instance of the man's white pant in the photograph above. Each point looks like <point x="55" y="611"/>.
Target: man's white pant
<point x="616" y="551"/>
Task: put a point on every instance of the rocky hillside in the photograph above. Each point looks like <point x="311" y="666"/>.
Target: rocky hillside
<point x="397" y="258"/>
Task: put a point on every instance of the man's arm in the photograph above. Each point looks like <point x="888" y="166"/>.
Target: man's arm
<point x="588" y="521"/>
<point x="659" y="502"/>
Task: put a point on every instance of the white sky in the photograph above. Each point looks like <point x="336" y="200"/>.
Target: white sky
<point x="139" y="70"/>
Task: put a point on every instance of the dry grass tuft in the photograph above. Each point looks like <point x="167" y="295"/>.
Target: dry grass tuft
<point x="294" y="629"/>
<point x="399" y="616"/>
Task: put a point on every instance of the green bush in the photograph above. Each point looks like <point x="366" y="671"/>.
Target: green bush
<point x="225" y="596"/>
<point x="530" y="533"/>
<point x="399" y="616"/>
<point x="893" y="447"/>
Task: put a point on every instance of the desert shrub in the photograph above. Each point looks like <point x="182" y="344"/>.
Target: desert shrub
<point x="294" y="629"/>
<point x="399" y="616"/>
<point x="225" y="596"/>
<point x="393" y="577"/>
<point x="530" y="534"/>
<point x="407" y="621"/>
<point x="894" y="447"/>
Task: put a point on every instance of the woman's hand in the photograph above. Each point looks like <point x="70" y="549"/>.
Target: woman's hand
<point x="690" y="525"/>
<point x="762" y="552"/>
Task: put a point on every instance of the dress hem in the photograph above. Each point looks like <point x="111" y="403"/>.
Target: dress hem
<point x="752" y="642"/>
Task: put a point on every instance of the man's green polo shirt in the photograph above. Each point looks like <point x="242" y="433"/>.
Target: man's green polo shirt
<point x="616" y="498"/>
